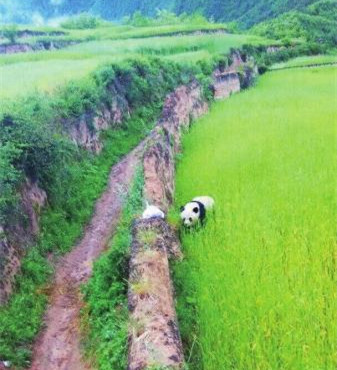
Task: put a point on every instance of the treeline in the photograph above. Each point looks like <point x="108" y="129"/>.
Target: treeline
<point x="246" y="13"/>
<point x="317" y="23"/>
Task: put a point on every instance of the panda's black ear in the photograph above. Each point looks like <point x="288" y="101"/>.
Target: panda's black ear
<point x="182" y="209"/>
<point x="196" y="210"/>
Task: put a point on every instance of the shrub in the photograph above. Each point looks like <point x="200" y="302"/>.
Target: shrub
<point x="138" y="20"/>
<point x="11" y="33"/>
<point x="163" y="18"/>
<point x="9" y="178"/>
<point x="82" y="21"/>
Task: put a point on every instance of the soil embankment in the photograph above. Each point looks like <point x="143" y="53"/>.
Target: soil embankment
<point x="154" y="338"/>
<point x="38" y="46"/>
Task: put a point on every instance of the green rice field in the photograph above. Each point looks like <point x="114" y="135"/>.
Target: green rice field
<point x="111" y="31"/>
<point x="47" y="70"/>
<point x="258" y="287"/>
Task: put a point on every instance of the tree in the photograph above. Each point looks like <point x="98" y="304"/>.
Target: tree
<point x="11" y="33"/>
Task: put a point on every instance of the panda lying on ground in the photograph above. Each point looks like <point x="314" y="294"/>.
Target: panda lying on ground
<point x="195" y="211"/>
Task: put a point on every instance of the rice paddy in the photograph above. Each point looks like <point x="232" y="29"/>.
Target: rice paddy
<point x="47" y="70"/>
<point x="22" y="78"/>
<point x="261" y="275"/>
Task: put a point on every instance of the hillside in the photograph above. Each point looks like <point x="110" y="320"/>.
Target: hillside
<point x="316" y="23"/>
<point x="247" y="13"/>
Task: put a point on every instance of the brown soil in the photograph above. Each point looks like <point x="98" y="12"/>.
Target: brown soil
<point x="58" y="346"/>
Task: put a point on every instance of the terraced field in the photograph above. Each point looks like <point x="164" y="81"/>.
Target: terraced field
<point x="48" y="69"/>
<point x="258" y="286"/>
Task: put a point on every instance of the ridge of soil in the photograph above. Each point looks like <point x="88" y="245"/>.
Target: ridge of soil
<point x="304" y="66"/>
<point x="58" y="345"/>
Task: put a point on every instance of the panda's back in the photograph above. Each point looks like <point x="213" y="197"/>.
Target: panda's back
<point x="207" y="201"/>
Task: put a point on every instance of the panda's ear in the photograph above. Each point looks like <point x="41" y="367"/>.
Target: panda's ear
<point x="196" y="210"/>
<point x="182" y="209"/>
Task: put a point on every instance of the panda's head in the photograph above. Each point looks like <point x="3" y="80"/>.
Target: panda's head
<point x="191" y="213"/>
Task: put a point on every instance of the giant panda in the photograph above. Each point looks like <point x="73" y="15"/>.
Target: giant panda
<point x="195" y="211"/>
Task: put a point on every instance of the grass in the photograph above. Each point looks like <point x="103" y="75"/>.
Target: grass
<point x="307" y="61"/>
<point x="46" y="70"/>
<point x="20" y="79"/>
<point x="257" y="289"/>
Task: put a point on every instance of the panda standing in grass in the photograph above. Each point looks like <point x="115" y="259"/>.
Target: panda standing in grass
<point x="194" y="212"/>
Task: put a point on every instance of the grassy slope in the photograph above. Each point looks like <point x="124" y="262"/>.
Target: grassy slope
<point x="47" y="70"/>
<point x="263" y="272"/>
<point x="21" y="78"/>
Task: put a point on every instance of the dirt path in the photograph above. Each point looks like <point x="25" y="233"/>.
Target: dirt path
<point x="58" y="346"/>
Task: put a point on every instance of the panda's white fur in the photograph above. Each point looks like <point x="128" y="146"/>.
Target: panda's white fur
<point x="208" y="202"/>
<point x="195" y="211"/>
<point x="152" y="212"/>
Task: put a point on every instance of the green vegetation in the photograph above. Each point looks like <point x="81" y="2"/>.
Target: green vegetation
<point x="61" y="226"/>
<point x="246" y="12"/>
<point x="10" y="32"/>
<point x="24" y="78"/>
<point x="265" y="59"/>
<point x="105" y="317"/>
<point x="257" y="288"/>
<point x="33" y="144"/>
<point x="164" y="17"/>
<point x="108" y="31"/>
<point x="82" y="22"/>
<point x="47" y="70"/>
<point x="317" y="23"/>
<point x="262" y="164"/>
<point x="312" y="20"/>
<point x="52" y="90"/>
